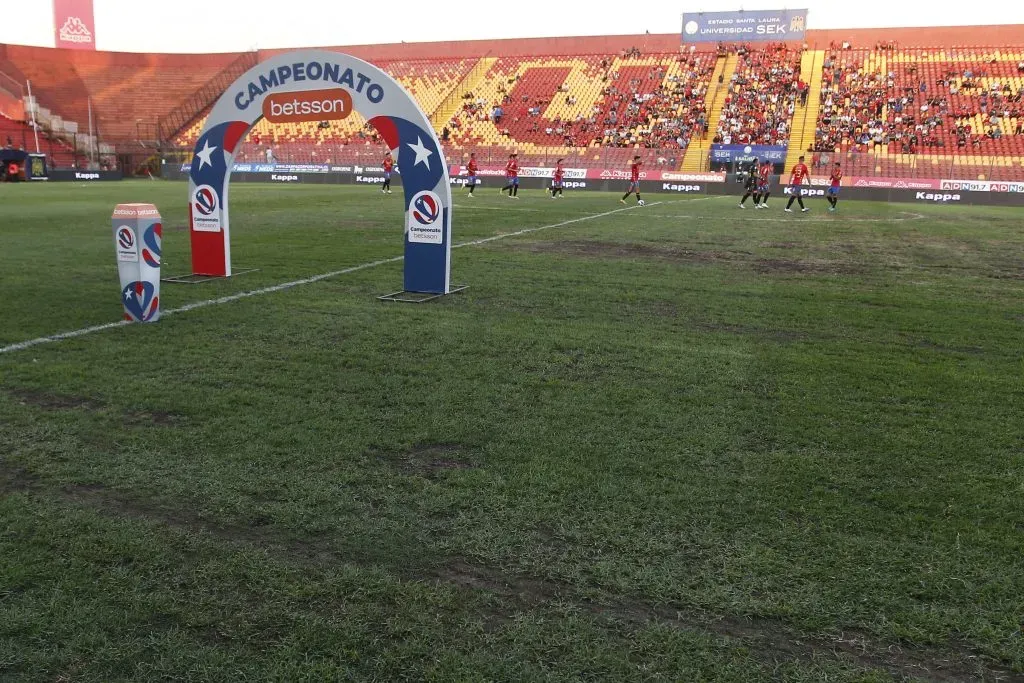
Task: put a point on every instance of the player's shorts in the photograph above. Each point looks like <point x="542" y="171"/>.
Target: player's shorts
<point x="514" y="180"/>
<point x="762" y="187"/>
<point x="387" y="175"/>
<point x="472" y="180"/>
<point x="833" y="191"/>
<point x="633" y="185"/>
<point x="750" y="184"/>
<point x="556" y="183"/>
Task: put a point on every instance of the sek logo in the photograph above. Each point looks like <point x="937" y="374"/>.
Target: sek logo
<point x="369" y="179"/>
<point x="673" y="187"/>
<point x="804" y="191"/>
<point x="937" y="197"/>
<point x="284" y="178"/>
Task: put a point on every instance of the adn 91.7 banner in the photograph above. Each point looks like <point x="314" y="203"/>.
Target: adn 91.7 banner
<point x="745" y="26"/>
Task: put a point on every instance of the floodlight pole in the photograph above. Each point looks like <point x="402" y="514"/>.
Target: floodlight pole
<point x="32" y="111"/>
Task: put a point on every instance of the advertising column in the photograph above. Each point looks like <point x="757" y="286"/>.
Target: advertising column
<point x="137" y="236"/>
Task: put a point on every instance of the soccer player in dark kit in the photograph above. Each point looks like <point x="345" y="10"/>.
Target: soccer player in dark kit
<point x="833" y="187"/>
<point x="750" y="183"/>
<point x="471" y="170"/>
<point x="799" y="175"/>
<point x="388" y="164"/>
<point x="512" y="176"/>
<point x="634" y="181"/>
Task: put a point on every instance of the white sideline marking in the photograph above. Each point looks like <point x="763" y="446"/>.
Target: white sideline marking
<point x="20" y="346"/>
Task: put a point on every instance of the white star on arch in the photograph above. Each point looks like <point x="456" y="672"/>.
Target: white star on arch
<point x="204" y="154"/>
<point x="422" y="153"/>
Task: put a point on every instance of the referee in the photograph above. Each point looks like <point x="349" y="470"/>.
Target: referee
<point x="750" y="183"/>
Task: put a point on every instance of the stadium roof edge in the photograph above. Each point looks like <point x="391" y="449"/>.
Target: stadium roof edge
<point x="939" y="37"/>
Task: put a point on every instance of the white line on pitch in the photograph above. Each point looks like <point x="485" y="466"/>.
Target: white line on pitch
<point x="20" y="346"/>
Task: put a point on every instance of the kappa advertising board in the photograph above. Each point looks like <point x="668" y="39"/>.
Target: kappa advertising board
<point x="745" y="26"/>
<point x="598" y="174"/>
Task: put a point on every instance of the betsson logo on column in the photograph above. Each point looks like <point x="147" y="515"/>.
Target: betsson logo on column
<point x="333" y="104"/>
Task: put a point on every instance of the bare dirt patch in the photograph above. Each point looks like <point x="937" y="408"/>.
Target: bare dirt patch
<point x="428" y="460"/>
<point x="673" y="253"/>
<point x="795" y="267"/>
<point x="49" y="401"/>
<point x="770" y="640"/>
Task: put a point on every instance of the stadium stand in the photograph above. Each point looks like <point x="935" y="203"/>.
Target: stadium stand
<point x="889" y="102"/>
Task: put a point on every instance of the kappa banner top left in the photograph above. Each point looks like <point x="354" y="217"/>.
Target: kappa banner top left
<point x="74" y="27"/>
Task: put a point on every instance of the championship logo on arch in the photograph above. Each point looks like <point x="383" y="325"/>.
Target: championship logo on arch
<point x="205" y="217"/>
<point x="423" y="226"/>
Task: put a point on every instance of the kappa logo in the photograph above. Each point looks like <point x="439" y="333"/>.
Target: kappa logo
<point x="205" y="200"/>
<point x="937" y="197"/>
<point x="675" y="187"/>
<point x="74" y="30"/>
<point x="284" y="178"/>
<point x="86" y="176"/>
<point x="369" y="179"/>
<point x="803" y="191"/>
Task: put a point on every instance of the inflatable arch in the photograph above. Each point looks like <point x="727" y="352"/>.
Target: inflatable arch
<point x="316" y="85"/>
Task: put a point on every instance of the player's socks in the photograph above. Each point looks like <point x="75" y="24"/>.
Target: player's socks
<point x="789" y="204"/>
<point x="764" y="199"/>
<point x="515" y="190"/>
<point x="744" y="200"/>
<point x="625" y="197"/>
<point x="638" y="196"/>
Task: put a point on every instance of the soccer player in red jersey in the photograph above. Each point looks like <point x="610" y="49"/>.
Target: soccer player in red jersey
<point x="388" y="164"/>
<point x="556" y="182"/>
<point x="512" y="176"/>
<point x="634" y="181"/>
<point x="799" y="175"/>
<point x="764" y="178"/>
<point x="471" y="170"/>
<point x="833" y="188"/>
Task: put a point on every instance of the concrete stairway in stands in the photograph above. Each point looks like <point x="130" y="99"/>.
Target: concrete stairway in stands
<point x="805" y="119"/>
<point x="443" y="114"/>
<point x="697" y="151"/>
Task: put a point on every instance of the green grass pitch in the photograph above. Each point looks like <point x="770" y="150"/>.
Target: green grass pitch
<point x="681" y="442"/>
